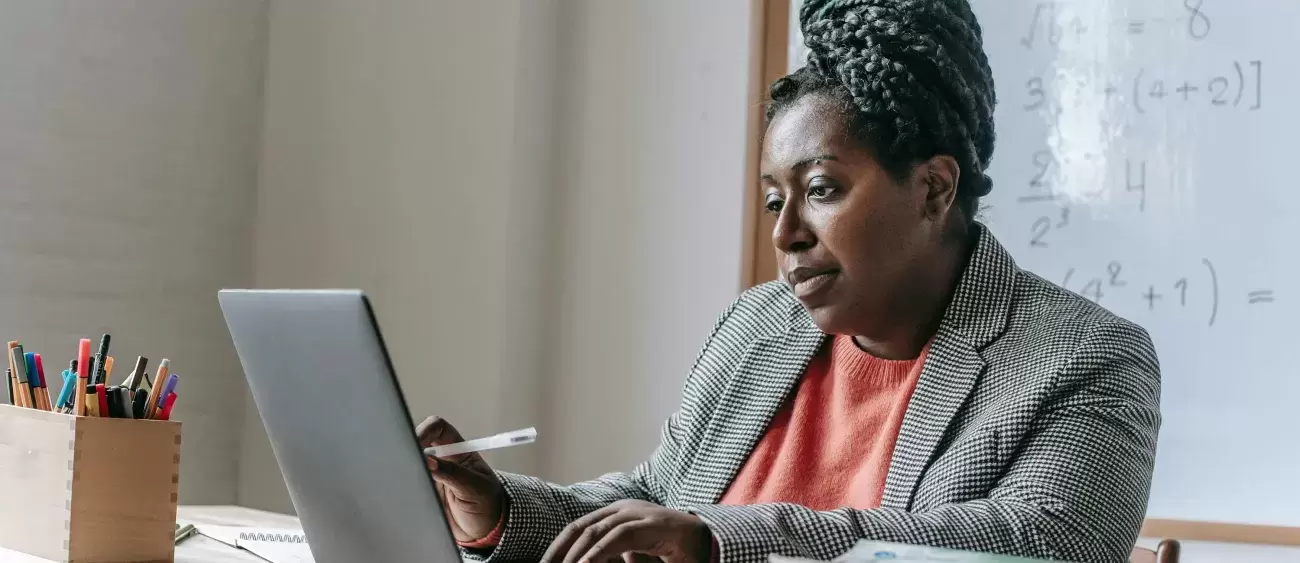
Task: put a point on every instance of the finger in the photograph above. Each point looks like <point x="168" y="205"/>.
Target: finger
<point x="627" y="537"/>
<point x="560" y="547"/>
<point x="595" y="534"/>
<point x="435" y="431"/>
<point x="458" y="477"/>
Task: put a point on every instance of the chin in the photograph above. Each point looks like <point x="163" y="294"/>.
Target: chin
<point x="828" y="318"/>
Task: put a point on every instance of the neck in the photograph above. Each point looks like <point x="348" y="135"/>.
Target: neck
<point x="910" y="325"/>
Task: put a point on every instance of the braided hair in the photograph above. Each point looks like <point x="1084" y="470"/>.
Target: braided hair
<point x="911" y="78"/>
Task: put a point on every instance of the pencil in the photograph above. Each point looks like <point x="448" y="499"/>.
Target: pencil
<point x="83" y="358"/>
<point x="108" y="369"/>
<point x="152" y="404"/>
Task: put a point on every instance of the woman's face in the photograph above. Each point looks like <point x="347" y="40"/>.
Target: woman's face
<point x="853" y="243"/>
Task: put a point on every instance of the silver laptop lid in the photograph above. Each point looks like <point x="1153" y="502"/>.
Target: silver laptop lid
<point x="332" y="407"/>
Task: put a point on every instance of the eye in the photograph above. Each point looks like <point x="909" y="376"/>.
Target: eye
<point x="820" y="189"/>
<point x="773" y="204"/>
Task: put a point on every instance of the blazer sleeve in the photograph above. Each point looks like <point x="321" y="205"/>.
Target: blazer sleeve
<point x="538" y="511"/>
<point x="1077" y="491"/>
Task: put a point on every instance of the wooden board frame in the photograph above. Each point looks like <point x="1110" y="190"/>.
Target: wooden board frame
<point x="769" y="39"/>
<point x="769" y="60"/>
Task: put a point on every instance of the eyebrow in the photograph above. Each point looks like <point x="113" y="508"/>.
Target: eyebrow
<point x="803" y="163"/>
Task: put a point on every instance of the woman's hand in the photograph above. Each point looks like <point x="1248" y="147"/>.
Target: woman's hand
<point x="628" y="530"/>
<point x="472" y="496"/>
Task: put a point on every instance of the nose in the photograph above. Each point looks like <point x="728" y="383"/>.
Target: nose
<point x="791" y="233"/>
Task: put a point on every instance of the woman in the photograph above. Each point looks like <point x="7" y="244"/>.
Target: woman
<point x="905" y="381"/>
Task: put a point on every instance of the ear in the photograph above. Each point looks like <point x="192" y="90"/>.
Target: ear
<point x="939" y="176"/>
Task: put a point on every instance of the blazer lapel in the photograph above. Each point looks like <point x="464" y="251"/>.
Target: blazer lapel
<point x="976" y="315"/>
<point x="769" y="371"/>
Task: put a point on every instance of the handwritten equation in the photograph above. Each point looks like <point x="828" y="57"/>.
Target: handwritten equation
<point x="1053" y="22"/>
<point x="1239" y="85"/>
<point x="1196" y="291"/>
<point x="1050" y="179"/>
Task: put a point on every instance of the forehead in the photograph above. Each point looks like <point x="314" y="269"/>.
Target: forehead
<point x="813" y="125"/>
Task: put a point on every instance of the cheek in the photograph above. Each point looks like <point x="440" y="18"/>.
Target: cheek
<point x="870" y="234"/>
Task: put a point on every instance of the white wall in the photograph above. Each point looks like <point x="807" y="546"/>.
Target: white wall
<point x="653" y="109"/>
<point x="407" y="152"/>
<point x="128" y="156"/>
<point x="541" y="197"/>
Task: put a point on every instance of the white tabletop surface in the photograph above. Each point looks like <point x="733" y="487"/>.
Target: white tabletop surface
<point x="200" y="549"/>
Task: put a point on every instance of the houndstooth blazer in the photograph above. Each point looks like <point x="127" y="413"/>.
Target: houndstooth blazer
<point x="1031" y="432"/>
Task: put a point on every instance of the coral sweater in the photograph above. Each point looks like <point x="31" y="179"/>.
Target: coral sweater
<point x="829" y="446"/>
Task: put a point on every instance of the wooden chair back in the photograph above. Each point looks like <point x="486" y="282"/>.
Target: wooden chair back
<point x="1166" y="552"/>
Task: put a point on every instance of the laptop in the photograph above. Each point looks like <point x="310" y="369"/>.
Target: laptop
<point x="342" y="435"/>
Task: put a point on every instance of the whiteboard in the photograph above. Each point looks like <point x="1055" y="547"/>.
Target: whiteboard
<point x="1144" y="160"/>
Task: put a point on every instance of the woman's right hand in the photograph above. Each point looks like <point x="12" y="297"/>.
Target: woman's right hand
<point x="472" y="496"/>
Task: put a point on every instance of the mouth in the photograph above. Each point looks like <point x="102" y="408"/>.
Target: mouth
<point x="807" y="282"/>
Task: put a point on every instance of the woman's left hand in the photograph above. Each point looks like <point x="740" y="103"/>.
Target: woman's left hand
<point x="628" y="528"/>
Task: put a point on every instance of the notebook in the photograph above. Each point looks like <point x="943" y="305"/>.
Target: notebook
<point x="276" y="545"/>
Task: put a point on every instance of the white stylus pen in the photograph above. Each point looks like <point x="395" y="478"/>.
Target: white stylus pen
<point x="504" y="440"/>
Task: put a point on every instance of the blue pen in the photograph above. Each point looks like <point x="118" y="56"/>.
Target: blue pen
<point x="167" y="389"/>
<point x="69" y="385"/>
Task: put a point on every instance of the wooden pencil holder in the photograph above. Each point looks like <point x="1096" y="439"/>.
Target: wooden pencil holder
<point x="88" y="490"/>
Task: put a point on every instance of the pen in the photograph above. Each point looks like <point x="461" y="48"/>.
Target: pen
<point x="83" y="353"/>
<point x="168" y="388"/>
<point x="503" y="440"/>
<point x="166" y="412"/>
<point x="155" y="392"/>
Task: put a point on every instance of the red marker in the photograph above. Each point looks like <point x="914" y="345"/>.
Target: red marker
<point x="102" y="395"/>
<point x="83" y="360"/>
<point x="45" y="389"/>
<point x="166" y="412"/>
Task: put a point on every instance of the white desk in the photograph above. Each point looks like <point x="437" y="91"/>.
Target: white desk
<point x="200" y="549"/>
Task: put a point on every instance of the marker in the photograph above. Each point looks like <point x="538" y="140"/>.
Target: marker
<point x="504" y="440"/>
<point x="168" y="388"/>
<point x="92" y="402"/>
<point x="65" y="394"/>
<point x="98" y="374"/>
<point x="83" y="356"/>
<point x="45" y="387"/>
<point x="166" y="412"/>
<point x="101" y="395"/>
<point x="122" y="401"/>
<point x="19" y="364"/>
<point x="33" y="379"/>
<point x="155" y="392"/>
<point x="137" y="404"/>
<point x="137" y="374"/>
